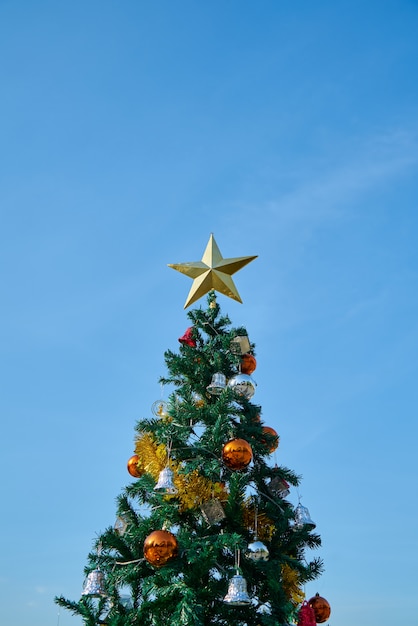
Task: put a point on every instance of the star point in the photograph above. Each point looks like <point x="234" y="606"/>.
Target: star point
<point x="212" y="272"/>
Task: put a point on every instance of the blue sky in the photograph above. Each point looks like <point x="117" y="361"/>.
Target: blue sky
<point x="128" y="133"/>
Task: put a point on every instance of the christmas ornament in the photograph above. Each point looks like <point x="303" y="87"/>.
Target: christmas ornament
<point x="279" y="487"/>
<point x="237" y="454"/>
<point x="165" y="482"/>
<point x="237" y="591"/>
<point x="321" y="608"/>
<point x="217" y="385"/>
<point x="121" y="525"/>
<point x="257" y="551"/>
<point x="160" y="409"/>
<point x="212" y="511"/>
<point x="302" y="518"/>
<point x="187" y="339"/>
<point x="133" y="467"/>
<point x="248" y="364"/>
<point x="240" y="345"/>
<point x="160" y="547"/>
<point x="94" y="586"/>
<point x="306" y="615"/>
<point x="243" y="384"/>
<point x="275" y="443"/>
<point x="212" y="272"/>
<point x="198" y="400"/>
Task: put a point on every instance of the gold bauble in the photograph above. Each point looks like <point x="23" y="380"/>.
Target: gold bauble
<point x="321" y="608"/>
<point x="133" y="468"/>
<point x="160" y="547"/>
<point x="237" y="454"/>
<point x="248" y="363"/>
<point x="270" y="431"/>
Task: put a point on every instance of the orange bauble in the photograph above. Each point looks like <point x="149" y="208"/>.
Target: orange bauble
<point x="160" y="547"/>
<point x="321" y="608"/>
<point x="133" y="468"/>
<point x="237" y="454"/>
<point x="275" y="443"/>
<point x="248" y="363"/>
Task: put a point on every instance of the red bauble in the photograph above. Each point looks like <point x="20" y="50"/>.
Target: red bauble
<point x="248" y="363"/>
<point x="160" y="547"/>
<point x="133" y="468"/>
<point x="237" y="454"/>
<point x="187" y="338"/>
<point x="321" y="608"/>
<point x="306" y="615"/>
<point x="275" y="443"/>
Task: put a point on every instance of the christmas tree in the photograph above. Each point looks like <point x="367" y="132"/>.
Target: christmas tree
<point x="204" y="533"/>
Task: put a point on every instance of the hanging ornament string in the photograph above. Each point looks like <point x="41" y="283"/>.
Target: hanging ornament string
<point x="99" y="551"/>
<point x="237" y="558"/>
<point x="169" y="446"/>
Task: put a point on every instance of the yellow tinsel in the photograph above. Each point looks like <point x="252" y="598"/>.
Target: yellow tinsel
<point x="152" y="457"/>
<point x="291" y="586"/>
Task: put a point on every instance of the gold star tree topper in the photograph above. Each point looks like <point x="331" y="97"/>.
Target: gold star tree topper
<point x="212" y="272"/>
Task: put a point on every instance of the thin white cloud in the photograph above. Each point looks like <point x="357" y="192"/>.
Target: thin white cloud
<point x="323" y="194"/>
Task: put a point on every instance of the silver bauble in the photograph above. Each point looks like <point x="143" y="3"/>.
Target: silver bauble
<point x="257" y="551"/>
<point x="243" y="384"/>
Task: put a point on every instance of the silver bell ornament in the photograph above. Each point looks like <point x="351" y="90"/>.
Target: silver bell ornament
<point x="243" y="384"/>
<point x="237" y="592"/>
<point x="217" y="385"/>
<point x="165" y="482"/>
<point x="94" y="585"/>
<point x="257" y="551"/>
<point x="302" y="518"/>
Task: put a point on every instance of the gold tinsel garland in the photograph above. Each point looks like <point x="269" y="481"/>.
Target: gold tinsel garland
<point x="193" y="489"/>
<point x="291" y="585"/>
